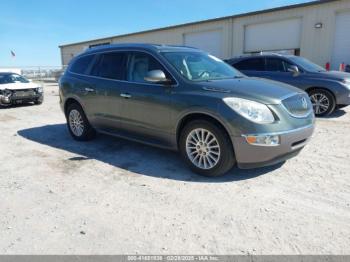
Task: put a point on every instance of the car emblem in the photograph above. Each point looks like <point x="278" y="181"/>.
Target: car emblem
<point x="304" y="102"/>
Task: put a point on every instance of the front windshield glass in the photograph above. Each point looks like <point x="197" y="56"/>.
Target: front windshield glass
<point x="197" y="66"/>
<point x="307" y="64"/>
<point x="12" y="78"/>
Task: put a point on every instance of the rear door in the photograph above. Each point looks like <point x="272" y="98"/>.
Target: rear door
<point x="107" y="78"/>
<point x="82" y="86"/>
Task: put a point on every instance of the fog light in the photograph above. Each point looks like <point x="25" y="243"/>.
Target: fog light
<point x="263" y="140"/>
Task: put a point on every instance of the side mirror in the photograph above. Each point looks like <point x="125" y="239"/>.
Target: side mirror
<point x="156" y="76"/>
<point x="293" y="69"/>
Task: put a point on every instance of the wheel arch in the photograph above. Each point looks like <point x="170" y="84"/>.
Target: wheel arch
<point x="312" y="88"/>
<point x="200" y="116"/>
<point x="72" y="100"/>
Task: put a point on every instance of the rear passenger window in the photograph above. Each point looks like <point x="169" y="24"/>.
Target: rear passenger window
<point x="110" y="65"/>
<point x="275" y="65"/>
<point x="254" y="64"/>
<point x="81" y="65"/>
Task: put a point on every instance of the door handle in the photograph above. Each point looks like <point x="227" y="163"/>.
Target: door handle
<point x="125" y="95"/>
<point x="89" y="90"/>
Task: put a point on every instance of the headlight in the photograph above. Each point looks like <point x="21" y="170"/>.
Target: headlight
<point x="40" y="89"/>
<point x="253" y="111"/>
<point x="346" y="83"/>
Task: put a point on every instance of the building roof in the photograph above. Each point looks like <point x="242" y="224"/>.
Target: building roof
<point x="318" y="2"/>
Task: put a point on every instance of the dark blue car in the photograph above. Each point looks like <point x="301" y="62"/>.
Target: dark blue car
<point x="328" y="90"/>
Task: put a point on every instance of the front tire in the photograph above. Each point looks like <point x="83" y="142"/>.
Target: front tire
<point x="78" y="125"/>
<point x="39" y="101"/>
<point x="206" y="148"/>
<point x="323" y="102"/>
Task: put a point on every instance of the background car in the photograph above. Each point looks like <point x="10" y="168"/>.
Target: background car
<point x="328" y="90"/>
<point x="15" y="89"/>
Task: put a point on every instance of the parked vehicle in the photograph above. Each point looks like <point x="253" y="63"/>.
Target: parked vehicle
<point x="16" y="89"/>
<point x="183" y="99"/>
<point x="328" y="90"/>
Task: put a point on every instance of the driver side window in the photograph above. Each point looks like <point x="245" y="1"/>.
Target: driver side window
<point x="139" y="64"/>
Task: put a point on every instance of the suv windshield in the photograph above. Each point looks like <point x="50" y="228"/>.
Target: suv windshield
<point x="306" y="64"/>
<point x="12" y="78"/>
<point x="197" y="66"/>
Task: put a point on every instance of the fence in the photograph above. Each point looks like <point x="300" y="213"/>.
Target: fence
<point x="37" y="73"/>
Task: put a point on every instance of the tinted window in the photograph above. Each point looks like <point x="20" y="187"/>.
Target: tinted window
<point x="110" y="65"/>
<point x="81" y="65"/>
<point x="306" y="64"/>
<point x="275" y="64"/>
<point x="140" y="64"/>
<point x="255" y="64"/>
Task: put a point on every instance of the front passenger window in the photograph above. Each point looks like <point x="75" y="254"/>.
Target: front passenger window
<point x="275" y="65"/>
<point x="139" y="66"/>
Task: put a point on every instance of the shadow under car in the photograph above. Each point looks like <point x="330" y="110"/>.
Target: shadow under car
<point x="131" y="156"/>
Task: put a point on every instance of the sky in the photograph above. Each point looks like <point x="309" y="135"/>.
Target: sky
<point x="34" y="29"/>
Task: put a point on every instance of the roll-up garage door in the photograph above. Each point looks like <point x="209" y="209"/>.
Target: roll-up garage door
<point x="278" y="35"/>
<point x="209" y="41"/>
<point x="341" y="50"/>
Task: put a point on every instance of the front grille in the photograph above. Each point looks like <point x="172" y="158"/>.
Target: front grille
<point x="298" y="105"/>
<point x="24" y="93"/>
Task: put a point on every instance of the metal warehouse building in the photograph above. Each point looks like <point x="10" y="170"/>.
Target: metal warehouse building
<point x="318" y="30"/>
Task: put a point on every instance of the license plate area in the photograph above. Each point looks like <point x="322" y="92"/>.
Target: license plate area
<point x="19" y="94"/>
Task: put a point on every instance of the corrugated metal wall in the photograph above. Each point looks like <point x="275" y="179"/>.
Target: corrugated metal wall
<point x="316" y="44"/>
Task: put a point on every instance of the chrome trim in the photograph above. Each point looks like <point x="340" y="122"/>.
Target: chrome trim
<point x="311" y="111"/>
<point x="291" y="95"/>
<point x="89" y="90"/>
<point x="215" y="89"/>
<point x="281" y="132"/>
<point x="123" y="81"/>
<point x="125" y="95"/>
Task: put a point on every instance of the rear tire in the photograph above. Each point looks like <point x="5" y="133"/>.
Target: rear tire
<point x="206" y="148"/>
<point x="78" y="125"/>
<point x="323" y="102"/>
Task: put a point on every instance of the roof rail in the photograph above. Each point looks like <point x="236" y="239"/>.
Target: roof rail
<point x="270" y="53"/>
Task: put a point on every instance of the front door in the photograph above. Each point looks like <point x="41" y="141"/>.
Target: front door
<point x="277" y="69"/>
<point x="146" y="110"/>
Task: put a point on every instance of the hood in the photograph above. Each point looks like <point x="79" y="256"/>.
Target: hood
<point x="18" y="86"/>
<point x="257" y="89"/>
<point x="331" y="75"/>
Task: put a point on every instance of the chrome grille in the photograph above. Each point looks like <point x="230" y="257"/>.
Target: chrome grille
<point x="298" y="105"/>
<point x="24" y="93"/>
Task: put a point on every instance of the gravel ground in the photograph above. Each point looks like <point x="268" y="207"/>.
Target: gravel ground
<point x="111" y="196"/>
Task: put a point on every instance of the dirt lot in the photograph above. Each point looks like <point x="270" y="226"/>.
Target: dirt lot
<point x="111" y="196"/>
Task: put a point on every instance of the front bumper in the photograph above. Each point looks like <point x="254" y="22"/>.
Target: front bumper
<point x="343" y="98"/>
<point x="11" y="97"/>
<point x="253" y="156"/>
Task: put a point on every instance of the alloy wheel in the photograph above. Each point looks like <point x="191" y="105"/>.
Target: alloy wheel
<point x="203" y="148"/>
<point x="320" y="103"/>
<point x="76" y="122"/>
